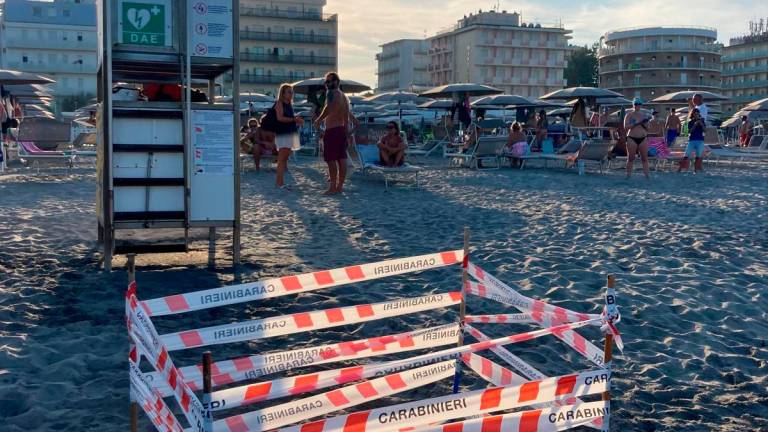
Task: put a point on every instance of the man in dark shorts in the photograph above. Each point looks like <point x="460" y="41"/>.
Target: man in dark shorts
<point x="337" y="117"/>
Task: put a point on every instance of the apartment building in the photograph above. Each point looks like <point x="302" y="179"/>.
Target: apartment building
<point x="285" y="41"/>
<point x="653" y="61"/>
<point x="498" y="49"/>
<point x="402" y="65"/>
<point x="57" y="39"/>
<point x="745" y="68"/>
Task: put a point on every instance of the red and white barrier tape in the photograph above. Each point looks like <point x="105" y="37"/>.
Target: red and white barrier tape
<point x="425" y="412"/>
<point x="523" y="367"/>
<point x="276" y="287"/>
<point x="541" y="420"/>
<point x="143" y="333"/>
<point x="520" y="318"/>
<point x="305" y="321"/>
<point x="151" y="401"/>
<point x="248" y="368"/>
<point x="345" y="397"/>
<point x="492" y="372"/>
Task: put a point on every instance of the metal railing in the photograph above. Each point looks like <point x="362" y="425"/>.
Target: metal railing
<point x="53" y="68"/>
<point x="287" y="37"/>
<point x="287" y="58"/>
<point x="648" y="83"/>
<point x="748" y="98"/>
<point x="76" y="45"/>
<point x="659" y="65"/>
<point x="707" y="48"/>
<point x="742" y="56"/>
<point x="294" y="15"/>
<point x="269" y="79"/>
<point x="746" y="84"/>
<point x="745" y="70"/>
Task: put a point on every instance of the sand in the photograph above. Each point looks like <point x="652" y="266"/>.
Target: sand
<point x="690" y="254"/>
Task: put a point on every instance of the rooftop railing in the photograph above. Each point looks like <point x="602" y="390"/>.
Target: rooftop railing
<point x="294" y="15"/>
<point x="287" y="37"/>
<point x="659" y="65"/>
<point x="287" y="58"/>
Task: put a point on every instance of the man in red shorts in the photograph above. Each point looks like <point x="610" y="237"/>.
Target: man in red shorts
<point x="336" y="115"/>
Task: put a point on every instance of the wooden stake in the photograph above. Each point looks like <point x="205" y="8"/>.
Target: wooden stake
<point x="207" y="388"/>
<point x="608" y="347"/>
<point x="462" y="309"/>
<point x="134" y="406"/>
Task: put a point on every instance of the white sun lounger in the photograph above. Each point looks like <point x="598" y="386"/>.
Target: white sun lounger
<point x="368" y="156"/>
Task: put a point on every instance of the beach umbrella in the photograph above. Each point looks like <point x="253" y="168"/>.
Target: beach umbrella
<point x="8" y="76"/>
<point x="395" y="96"/>
<point x="581" y="92"/>
<point x="613" y="101"/>
<point x="437" y="104"/>
<point x="500" y="101"/>
<point x="397" y="106"/>
<point x="684" y="96"/>
<point x="256" y="98"/>
<point x="759" y="105"/>
<point x="450" y="90"/>
<point x="311" y="85"/>
<point x="559" y="112"/>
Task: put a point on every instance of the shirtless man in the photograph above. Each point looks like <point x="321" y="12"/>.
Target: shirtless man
<point x="337" y="117"/>
<point x="672" y="125"/>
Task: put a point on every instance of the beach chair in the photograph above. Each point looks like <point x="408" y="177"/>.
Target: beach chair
<point x="594" y="151"/>
<point x="719" y="153"/>
<point x="368" y="157"/>
<point x="486" y="150"/>
<point x="31" y="155"/>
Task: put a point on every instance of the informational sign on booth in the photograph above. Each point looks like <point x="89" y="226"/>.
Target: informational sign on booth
<point x="145" y="22"/>
<point x="212" y="142"/>
<point x="211" y="22"/>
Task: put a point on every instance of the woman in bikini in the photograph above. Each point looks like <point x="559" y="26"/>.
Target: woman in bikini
<point x="636" y="125"/>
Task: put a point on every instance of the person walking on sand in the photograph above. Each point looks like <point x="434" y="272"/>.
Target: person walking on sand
<point x="636" y="125"/>
<point x="287" y="133"/>
<point x="336" y="115"/>
<point x="672" y="125"/>
<point x="696" y="129"/>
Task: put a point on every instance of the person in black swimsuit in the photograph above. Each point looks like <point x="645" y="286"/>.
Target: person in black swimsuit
<point x="636" y="125"/>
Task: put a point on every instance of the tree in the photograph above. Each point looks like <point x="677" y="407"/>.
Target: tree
<point x="582" y="67"/>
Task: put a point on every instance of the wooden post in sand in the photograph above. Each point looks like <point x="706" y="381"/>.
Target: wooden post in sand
<point x="207" y="388"/>
<point x="462" y="308"/>
<point x="131" y="266"/>
<point x="608" y="356"/>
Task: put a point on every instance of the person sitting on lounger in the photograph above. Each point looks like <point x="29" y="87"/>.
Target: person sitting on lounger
<point x="262" y="141"/>
<point x="517" y="145"/>
<point x="392" y="147"/>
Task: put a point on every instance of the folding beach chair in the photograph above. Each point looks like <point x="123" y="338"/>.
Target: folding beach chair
<point x="368" y="156"/>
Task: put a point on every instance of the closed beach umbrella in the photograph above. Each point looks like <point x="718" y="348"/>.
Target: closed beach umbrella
<point x="17" y="77"/>
<point x="684" y="96"/>
<point x="450" y="90"/>
<point x="581" y="92"/>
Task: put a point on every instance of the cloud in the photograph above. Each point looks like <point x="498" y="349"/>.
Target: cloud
<point x="364" y="25"/>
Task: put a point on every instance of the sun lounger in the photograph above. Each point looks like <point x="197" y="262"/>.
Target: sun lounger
<point x="368" y="156"/>
<point x="486" y="150"/>
<point x="718" y="152"/>
<point x="31" y="154"/>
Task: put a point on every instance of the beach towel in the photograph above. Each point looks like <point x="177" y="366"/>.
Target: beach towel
<point x="657" y="147"/>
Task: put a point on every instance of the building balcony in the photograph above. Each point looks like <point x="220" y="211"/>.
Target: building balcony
<point x="517" y="43"/>
<point x="269" y="79"/>
<point x="744" y="56"/>
<point x="659" y="65"/>
<point x="287" y="58"/>
<point x="287" y="37"/>
<point x="285" y="14"/>
<point x="746" y="84"/>
<point x="387" y="55"/>
<point x="666" y="48"/>
<point x="748" y="98"/>
<point x="613" y="84"/>
<point x="53" y="68"/>
<point x="58" y="45"/>
<point x="745" y="70"/>
<point x="387" y="71"/>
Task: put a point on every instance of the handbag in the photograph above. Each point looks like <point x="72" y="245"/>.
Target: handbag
<point x="268" y="121"/>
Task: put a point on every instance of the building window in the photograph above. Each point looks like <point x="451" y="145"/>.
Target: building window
<point x="51" y="12"/>
<point x="37" y="11"/>
<point x="79" y="37"/>
<point x="65" y="12"/>
<point x="24" y="59"/>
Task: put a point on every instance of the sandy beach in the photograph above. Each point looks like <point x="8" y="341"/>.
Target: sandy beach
<point x="690" y="254"/>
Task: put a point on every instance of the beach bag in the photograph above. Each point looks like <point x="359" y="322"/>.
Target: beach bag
<point x="269" y="120"/>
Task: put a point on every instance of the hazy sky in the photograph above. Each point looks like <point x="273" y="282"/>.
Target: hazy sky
<point x="366" y="24"/>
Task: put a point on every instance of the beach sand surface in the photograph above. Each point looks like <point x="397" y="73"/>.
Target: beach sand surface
<point x="690" y="254"/>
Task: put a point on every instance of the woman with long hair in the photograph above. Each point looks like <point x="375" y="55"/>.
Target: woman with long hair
<point x="287" y="139"/>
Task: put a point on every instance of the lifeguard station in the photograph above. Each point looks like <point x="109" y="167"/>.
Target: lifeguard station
<point x="172" y="164"/>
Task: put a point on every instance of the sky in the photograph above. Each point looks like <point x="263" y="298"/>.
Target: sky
<point x="366" y="24"/>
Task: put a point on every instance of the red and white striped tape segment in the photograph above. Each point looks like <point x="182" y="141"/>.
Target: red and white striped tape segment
<point x="425" y="412"/>
<point x="276" y="287"/>
<point x="541" y="420"/>
<point x="345" y="397"/>
<point x="151" y="401"/>
<point x="492" y="372"/>
<point x="519" y="318"/>
<point x="247" y="368"/>
<point x="143" y="333"/>
<point x="305" y="321"/>
<point x="525" y="304"/>
<point x="582" y="346"/>
<point x="523" y="367"/>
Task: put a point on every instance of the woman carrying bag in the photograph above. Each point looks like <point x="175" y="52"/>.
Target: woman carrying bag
<point x="287" y="130"/>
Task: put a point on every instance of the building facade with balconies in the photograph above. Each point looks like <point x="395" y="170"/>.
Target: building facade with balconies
<point x="56" y="39"/>
<point x="285" y="41"/>
<point x="402" y="65"/>
<point x="496" y="49"/>
<point x="653" y="61"/>
<point x="745" y="69"/>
